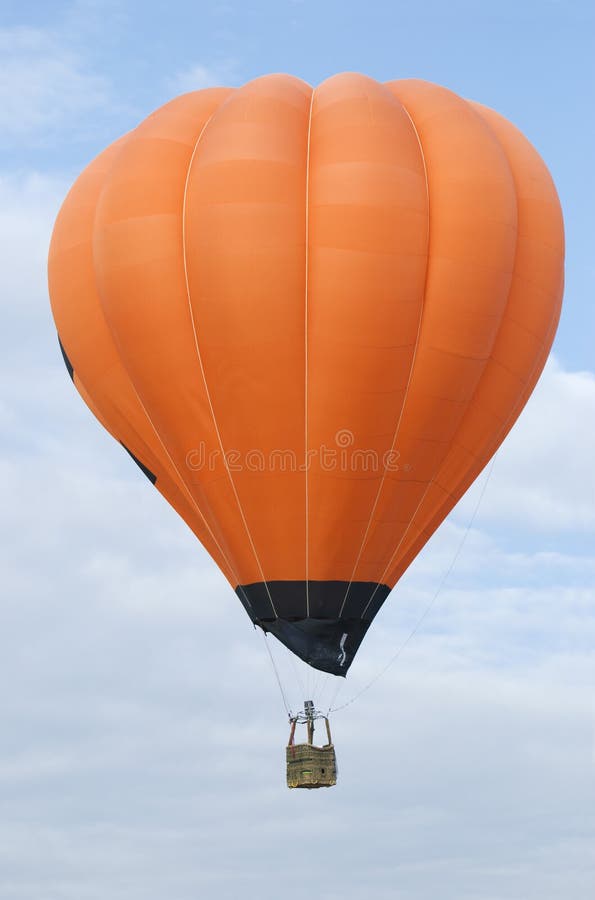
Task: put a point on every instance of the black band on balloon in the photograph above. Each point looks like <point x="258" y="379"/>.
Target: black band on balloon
<point x="147" y="472"/>
<point x="327" y="629"/>
<point x="67" y="362"/>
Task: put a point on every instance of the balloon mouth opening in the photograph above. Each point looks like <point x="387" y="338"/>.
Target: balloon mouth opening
<point x="323" y="625"/>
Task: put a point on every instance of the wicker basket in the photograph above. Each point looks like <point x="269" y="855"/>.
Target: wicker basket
<point x="309" y="766"/>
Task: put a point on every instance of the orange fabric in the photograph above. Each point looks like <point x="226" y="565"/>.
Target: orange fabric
<point x="272" y="272"/>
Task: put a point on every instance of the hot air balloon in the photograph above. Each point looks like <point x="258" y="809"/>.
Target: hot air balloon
<point x="311" y="316"/>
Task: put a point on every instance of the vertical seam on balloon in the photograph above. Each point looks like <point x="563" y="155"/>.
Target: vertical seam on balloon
<point x="158" y="436"/>
<point x="471" y="399"/>
<point x="409" y="380"/>
<point x="552" y="323"/>
<point x="183" y="483"/>
<point x="169" y="457"/>
<point x="203" y="373"/>
<point x="306" y="360"/>
<point x="549" y="334"/>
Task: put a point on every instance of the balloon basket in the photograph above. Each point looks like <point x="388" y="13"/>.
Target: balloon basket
<point x="309" y="766"/>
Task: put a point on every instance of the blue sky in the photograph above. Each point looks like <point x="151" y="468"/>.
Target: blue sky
<point x="532" y="61"/>
<point x="141" y="753"/>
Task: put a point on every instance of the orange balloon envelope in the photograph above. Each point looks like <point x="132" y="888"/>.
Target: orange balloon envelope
<point x="311" y="316"/>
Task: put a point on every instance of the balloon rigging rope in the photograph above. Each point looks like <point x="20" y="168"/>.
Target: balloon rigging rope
<point x="412" y="369"/>
<point x="426" y="611"/>
<point x="312" y="685"/>
<point x="433" y="600"/>
<point x="296" y="672"/>
<point x="203" y="372"/>
<point x="277" y="676"/>
<point x="503" y="432"/>
<point x="306" y="360"/>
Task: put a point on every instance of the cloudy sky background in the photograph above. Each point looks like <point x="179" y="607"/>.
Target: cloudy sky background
<point x="142" y="732"/>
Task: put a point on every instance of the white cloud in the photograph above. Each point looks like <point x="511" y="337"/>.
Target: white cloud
<point x="142" y="740"/>
<point x="544" y="476"/>
<point x="142" y="747"/>
<point x="199" y="76"/>
<point x="44" y="82"/>
<point x="29" y="203"/>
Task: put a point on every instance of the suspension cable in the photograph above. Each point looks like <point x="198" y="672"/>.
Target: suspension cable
<point x="428" y="608"/>
<point x="277" y="676"/>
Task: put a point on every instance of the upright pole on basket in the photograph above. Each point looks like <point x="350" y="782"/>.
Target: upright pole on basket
<point x="309" y="714"/>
